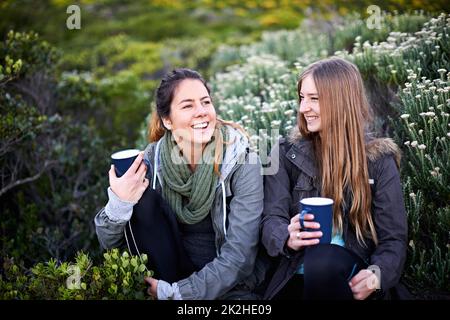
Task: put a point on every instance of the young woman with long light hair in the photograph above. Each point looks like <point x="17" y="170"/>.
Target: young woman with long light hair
<point x="331" y="155"/>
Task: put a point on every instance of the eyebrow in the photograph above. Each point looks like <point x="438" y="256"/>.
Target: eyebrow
<point x="309" y="94"/>
<point x="191" y="100"/>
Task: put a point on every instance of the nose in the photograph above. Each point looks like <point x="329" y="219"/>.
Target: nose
<point x="304" y="106"/>
<point x="200" y="111"/>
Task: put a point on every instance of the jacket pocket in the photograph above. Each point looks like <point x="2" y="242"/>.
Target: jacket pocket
<point x="303" y="188"/>
<point x="304" y="183"/>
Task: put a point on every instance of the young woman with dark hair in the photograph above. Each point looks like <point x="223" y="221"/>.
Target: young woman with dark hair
<point x="211" y="182"/>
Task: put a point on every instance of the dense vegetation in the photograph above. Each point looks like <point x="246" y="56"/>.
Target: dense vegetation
<point x="69" y="98"/>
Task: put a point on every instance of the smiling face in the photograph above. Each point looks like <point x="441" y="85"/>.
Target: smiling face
<point x="192" y="116"/>
<point x="309" y="104"/>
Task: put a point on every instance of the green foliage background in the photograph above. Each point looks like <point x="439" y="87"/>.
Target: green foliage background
<point x="68" y="98"/>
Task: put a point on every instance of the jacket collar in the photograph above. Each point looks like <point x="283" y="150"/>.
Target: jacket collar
<point x="234" y="152"/>
<point x="301" y="154"/>
<point x="380" y="147"/>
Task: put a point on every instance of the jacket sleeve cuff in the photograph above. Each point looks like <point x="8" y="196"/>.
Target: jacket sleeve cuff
<point x="118" y="210"/>
<point x="165" y="291"/>
<point x="281" y="241"/>
<point x="187" y="290"/>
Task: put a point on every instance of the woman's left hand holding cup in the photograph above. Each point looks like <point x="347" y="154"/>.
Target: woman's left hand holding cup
<point x="133" y="183"/>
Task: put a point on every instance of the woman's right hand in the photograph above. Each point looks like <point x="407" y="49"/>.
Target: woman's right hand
<point x="298" y="238"/>
<point x="133" y="183"/>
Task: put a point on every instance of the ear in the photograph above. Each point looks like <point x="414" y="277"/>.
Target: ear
<point x="167" y="123"/>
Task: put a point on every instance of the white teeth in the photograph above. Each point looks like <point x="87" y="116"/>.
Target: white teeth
<point x="201" y="125"/>
<point x="311" y="118"/>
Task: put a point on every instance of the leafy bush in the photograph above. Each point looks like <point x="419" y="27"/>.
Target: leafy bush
<point x="52" y="163"/>
<point x="120" y="277"/>
<point x="424" y="129"/>
<point x="355" y="26"/>
<point x="424" y="51"/>
<point x="316" y="38"/>
<point x="288" y="45"/>
<point x="384" y="65"/>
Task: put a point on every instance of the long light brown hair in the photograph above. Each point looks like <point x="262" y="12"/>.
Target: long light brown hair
<point x="340" y="144"/>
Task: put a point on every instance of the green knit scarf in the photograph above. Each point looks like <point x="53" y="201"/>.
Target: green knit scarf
<point x="190" y="194"/>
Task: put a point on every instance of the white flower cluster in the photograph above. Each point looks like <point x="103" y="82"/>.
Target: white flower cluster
<point x="259" y="95"/>
<point x="401" y="56"/>
<point x="425" y="120"/>
<point x="284" y="43"/>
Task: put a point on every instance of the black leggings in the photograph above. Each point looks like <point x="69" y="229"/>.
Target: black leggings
<point x="328" y="269"/>
<point x="293" y="290"/>
<point x="155" y="232"/>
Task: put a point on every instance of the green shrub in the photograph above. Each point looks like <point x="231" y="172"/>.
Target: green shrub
<point x="354" y="26"/>
<point x="53" y="163"/>
<point x="424" y="51"/>
<point x="288" y="45"/>
<point x="423" y="131"/>
<point x="316" y="38"/>
<point x="119" y="277"/>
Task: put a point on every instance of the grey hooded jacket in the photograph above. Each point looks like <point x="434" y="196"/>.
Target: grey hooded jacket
<point x="240" y="265"/>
